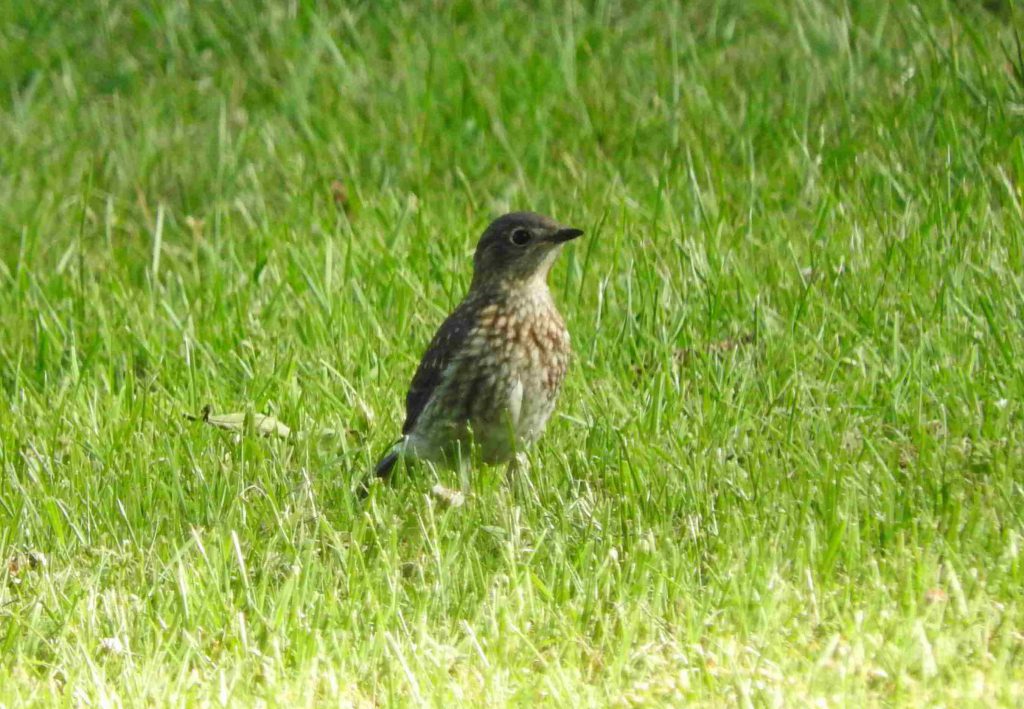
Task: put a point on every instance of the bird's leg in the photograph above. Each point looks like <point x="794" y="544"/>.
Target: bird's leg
<point x="517" y="475"/>
<point x="465" y="468"/>
<point x="461" y="460"/>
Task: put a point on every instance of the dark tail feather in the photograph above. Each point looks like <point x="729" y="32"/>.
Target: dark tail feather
<point x="382" y="470"/>
<point x="384" y="467"/>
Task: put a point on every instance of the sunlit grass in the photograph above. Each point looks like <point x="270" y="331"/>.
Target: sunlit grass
<point x="787" y="463"/>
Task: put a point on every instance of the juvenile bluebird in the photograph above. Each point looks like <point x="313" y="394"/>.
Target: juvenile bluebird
<point x="492" y="373"/>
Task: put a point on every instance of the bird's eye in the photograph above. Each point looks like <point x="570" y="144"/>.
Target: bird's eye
<point x="520" y="237"/>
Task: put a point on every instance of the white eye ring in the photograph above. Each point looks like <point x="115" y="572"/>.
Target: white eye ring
<point x="520" y="237"/>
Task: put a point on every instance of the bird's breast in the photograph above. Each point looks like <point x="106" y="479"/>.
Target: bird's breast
<point x="525" y="335"/>
<point x="527" y="347"/>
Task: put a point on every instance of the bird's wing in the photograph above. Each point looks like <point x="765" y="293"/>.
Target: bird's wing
<point x="446" y="343"/>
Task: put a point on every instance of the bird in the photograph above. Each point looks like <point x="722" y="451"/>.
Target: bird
<point x="492" y="373"/>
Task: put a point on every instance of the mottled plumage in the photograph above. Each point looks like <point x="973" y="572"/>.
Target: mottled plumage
<point x="493" y="370"/>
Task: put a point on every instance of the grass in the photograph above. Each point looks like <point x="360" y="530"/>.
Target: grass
<point x="786" y="468"/>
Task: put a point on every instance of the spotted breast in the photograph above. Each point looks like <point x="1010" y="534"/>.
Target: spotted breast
<point x="502" y="385"/>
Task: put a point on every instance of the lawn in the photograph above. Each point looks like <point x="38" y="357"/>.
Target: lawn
<point x="787" y="467"/>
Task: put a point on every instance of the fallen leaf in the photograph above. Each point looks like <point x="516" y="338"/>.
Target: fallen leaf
<point x="19" y="563"/>
<point x="262" y="424"/>
<point x="722" y="346"/>
<point x="339" y="193"/>
<point x="196" y="226"/>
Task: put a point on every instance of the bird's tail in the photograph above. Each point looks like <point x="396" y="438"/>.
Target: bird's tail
<point x="384" y="467"/>
<point x="386" y="464"/>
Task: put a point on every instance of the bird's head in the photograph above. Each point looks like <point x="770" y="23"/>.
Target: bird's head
<point x="518" y="249"/>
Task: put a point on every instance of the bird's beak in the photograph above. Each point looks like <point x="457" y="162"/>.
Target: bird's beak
<point x="564" y="234"/>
